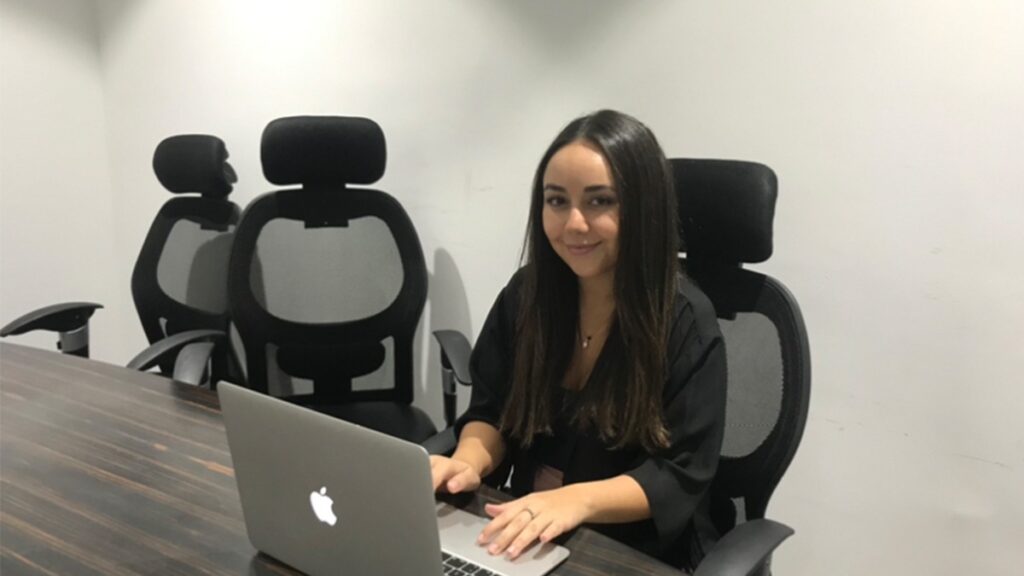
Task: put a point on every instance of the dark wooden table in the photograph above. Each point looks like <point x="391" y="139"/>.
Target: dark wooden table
<point x="105" y="471"/>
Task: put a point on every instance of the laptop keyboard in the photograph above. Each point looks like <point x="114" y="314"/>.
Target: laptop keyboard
<point x="455" y="566"/>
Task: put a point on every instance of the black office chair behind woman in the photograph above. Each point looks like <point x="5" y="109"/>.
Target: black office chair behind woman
<point x="726" y="213"/>
<point x="329" y="313"/>
<point x="179" y="283"/>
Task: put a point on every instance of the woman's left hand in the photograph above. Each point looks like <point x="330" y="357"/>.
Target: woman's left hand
<point x="542" y="515"/>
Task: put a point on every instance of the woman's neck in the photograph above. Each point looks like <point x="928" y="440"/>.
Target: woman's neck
<point x="597" y="296"/>
<point x="597" y="308"/>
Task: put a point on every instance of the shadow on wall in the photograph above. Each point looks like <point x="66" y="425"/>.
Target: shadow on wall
<point x="115" y="16"/>
<point x="64" y="18"/>
<point x="449" y="310"/>
<point x="568" y="25"/>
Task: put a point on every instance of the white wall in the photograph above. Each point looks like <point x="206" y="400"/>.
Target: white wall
<point x="895" y="128"/>
<point x="57" y="223"/>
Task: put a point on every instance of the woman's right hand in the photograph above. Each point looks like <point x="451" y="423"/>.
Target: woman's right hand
<point x="452" y="475"/>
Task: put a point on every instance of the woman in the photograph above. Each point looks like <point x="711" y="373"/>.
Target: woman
<point x="599" y="373"/>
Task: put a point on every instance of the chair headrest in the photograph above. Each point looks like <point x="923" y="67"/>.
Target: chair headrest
<point x="726" y="209"/>
<point x="323" y="150"/>
<point x="194" y="163"/>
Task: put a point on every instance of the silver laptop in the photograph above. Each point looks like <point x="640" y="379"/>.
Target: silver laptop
<point x="330" y="497"/>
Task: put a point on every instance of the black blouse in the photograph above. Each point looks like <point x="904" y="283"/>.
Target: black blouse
<point x="675" y="480"/>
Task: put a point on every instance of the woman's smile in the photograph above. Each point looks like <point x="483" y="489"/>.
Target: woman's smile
<point x="581" y="249"/>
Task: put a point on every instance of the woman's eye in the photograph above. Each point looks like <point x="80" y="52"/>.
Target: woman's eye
<point x="554" y="201"/>
<point x="603" y="201"/>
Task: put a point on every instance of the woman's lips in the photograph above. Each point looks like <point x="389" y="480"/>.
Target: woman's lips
<point x="581" y="249"/>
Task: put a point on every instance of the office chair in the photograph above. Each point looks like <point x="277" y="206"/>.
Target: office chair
<point x="343" y="280"/>
<point x="726" y="210"/>
<point x="178" y="283"/>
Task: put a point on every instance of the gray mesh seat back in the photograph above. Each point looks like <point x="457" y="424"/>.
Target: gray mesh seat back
<point x="192" y="266"/>
<point x="727" y="210"/>
<point x="768" y="361"/>
<point x="179" y="282"/>
<point x="327" y="289"/>
<point x="328" y="280"/>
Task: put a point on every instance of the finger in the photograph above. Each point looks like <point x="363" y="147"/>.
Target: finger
<point x="553" y="530"/>
<point x="442" y="472"/>
<point x="493" y="510"/>
<point x="527" y="537"/>
<point x="501" y="520"/>
<point x="454" y="485"/>
<point x="511" y="531"/>
<point x="437" y="474"/>
<point x="494" y="526"/>
<point x="465" y="480"/>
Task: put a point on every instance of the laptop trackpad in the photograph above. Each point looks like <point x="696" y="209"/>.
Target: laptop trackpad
<point x="459" y="530"/>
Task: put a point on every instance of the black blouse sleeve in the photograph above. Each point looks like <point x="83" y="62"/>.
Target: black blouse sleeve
<point x="676" y="480"/>
<point x="491" y="362"/>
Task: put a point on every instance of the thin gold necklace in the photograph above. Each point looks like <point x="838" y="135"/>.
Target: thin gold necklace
<point x="585" y="339"/>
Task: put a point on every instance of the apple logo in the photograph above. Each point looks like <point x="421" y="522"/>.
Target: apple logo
<point x="322" y="505"/>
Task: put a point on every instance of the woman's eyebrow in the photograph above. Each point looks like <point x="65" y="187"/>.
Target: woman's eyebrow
<point x="592" y="189"/>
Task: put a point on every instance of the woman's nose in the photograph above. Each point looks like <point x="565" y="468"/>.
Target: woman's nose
<point x="576" y="221"/>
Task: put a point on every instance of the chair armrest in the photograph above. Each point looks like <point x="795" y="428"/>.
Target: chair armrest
<point x="455" y="352"/>
<point x="170" y="347"/>
<point x="57" y="318"/>
<point x="441" y="444"/>
<point x="193" y="360"/>
<point x="70" y="320"/>
<point x="745" y="550"/>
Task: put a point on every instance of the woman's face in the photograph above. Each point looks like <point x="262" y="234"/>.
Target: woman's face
<point x="581" y="209"/>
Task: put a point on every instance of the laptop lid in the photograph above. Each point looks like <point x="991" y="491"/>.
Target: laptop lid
<point x="327" y="496"/>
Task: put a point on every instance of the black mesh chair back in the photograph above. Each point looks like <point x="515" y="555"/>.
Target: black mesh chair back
<point x="179" y="282"/>
<point x="726" y="211"/>
<point x="328" y="280"/>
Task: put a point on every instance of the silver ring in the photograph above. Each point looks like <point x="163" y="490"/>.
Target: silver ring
<point x="530" y="512"/>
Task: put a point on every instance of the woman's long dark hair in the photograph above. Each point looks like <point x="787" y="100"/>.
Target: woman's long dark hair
<point x="622" y="400"/>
